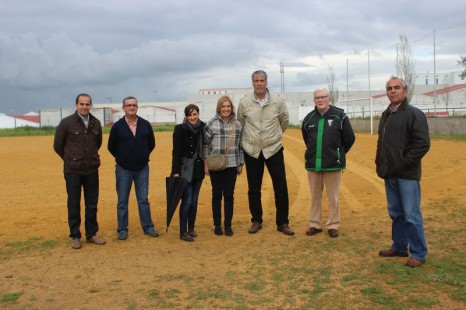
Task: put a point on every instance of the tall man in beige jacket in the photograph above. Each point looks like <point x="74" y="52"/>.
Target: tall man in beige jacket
<point x="264" y="117"/>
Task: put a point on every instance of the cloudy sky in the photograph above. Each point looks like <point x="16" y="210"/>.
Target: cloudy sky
<point x="51" y="50"/>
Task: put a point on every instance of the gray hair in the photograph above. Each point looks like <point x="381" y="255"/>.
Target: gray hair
<point x="259" y="72"/>
<point x="322" y="89"/>
<point x="403" y="82"/>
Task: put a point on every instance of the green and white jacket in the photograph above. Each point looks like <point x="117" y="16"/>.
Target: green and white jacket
<point x="328" y="138"/>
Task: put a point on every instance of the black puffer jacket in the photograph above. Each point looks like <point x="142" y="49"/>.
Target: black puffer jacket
<point x="77" y="145"/>
<point x="403" y="141"/>
<point x="328" y="138"/>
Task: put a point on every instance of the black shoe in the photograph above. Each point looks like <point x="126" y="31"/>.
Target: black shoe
<point x="186" y="237"/>
<point x="192" y="233"/>
<point x="218" y="230"/>
<point x="228" y="231"/>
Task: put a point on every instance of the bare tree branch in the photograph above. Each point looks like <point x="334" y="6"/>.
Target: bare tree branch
<point x="462" y="62"/>
<point x="405" y="64"/>
<point x="332" y="88"/>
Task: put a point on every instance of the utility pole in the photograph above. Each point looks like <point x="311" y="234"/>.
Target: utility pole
<point x="282" y="77"/>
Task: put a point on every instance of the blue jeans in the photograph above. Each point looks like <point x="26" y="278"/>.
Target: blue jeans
<point x="90" y="186"/>
<point x="404" y="208"/>
<point x="124" y="180"/>
<point x="188" y="207"/>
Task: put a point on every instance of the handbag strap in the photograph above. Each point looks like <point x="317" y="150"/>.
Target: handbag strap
<point x="233" y="127"/>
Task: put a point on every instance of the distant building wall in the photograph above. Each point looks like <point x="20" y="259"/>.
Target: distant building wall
<point x="52" y="117"/>
<point x="453" y="126"/>
<point x="7" y="121"/>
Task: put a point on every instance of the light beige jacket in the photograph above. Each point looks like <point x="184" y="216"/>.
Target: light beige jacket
<point x="262" y="126"/>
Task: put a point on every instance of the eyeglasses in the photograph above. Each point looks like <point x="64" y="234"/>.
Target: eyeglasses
<point x="131" y="105"/>
<point x="321" y="97"/>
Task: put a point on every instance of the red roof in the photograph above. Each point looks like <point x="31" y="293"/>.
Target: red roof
<point x="445" y="90"/>
<point x="29" y="118"/>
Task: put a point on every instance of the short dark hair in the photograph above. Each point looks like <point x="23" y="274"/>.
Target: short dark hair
<point x="259" y="72"/>
<point x="83" y="95"/>
<point x="129" y="97"/>
<point x="190" y="108"/>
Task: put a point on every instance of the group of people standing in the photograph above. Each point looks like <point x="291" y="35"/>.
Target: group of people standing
<point x="252" y="137"/>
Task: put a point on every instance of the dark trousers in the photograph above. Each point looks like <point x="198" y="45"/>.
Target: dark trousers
<point x="223" y="185"/>
<point x="90" y="186"/>
<point x="255" y="172"/>
<point x="188" y="207"/>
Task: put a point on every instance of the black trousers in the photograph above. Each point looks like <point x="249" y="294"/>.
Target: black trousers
<point x="255" y="172"/>
<point x="223" y="185"/>
<point x="90" y="186"/>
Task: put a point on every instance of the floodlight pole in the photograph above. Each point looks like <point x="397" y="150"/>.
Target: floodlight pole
<point x="435" y="82"/>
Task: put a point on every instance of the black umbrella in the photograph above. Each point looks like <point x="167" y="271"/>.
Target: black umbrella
<point x="176" y="187"/>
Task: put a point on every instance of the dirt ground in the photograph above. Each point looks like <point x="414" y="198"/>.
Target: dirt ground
<point x="37" y="260"/>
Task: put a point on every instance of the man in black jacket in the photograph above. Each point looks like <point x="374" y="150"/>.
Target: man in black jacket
<point x="131" y="141"/>
<point x="78" y="139"/>
<point x="328" y="136"/>
<point x="403" y="141"/>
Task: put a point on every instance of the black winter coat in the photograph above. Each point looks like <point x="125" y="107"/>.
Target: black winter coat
<point x="403" y="141"/>
<point x="185" y="144"/>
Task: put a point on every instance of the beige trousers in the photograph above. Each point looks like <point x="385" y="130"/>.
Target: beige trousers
<point x="331" y="181"/>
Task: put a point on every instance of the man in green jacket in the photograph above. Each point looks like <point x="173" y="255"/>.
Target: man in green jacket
<point x="328" y="136"/>
<point x="264" y="117"/>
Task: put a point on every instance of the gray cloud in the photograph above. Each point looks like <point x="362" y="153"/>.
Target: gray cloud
<point x="166" y="50"/>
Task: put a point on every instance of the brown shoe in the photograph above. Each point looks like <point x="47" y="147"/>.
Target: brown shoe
<point x="285" y="229"/>
<point x="76" y="244"/>
<point x="414" y="263"/>
<point x="392" y="253"/>
<point x="96" y="240"/>
<point x="333" y="233"/>
<point x="254" y="228"/>
<point x="312" y="231"/>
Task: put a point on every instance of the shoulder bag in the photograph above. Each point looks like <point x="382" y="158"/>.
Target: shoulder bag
<point x="218" y="162"/>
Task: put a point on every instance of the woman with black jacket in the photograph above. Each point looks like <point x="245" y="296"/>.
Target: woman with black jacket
<point x="187" y="143"/>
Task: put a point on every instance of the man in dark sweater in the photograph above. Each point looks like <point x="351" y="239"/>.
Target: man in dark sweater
<point x="131" y="141"/>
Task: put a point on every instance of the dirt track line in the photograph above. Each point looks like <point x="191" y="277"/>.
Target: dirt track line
<point x="347" y="195"/>
<point x="300" y="206"/>
<point x="367" y="174"/>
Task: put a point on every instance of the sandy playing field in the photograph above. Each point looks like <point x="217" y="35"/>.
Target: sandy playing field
<point x="142" y="272"/>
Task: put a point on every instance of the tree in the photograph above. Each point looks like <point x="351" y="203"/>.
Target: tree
<point x="332" y="88"/>
<point x="405" y="64"/>
<point x="446" y="95"/>
<point x="462" y="62"/>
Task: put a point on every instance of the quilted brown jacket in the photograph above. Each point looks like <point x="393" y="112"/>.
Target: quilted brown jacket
<point x="77" y="145"/>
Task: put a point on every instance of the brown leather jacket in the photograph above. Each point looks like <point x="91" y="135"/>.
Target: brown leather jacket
<point x="77" y="145"/>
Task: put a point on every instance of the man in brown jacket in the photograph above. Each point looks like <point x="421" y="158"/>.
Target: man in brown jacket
<point x="77" y="141"/>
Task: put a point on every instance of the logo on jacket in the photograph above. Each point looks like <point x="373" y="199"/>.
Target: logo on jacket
<point x="330" y="122"/>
